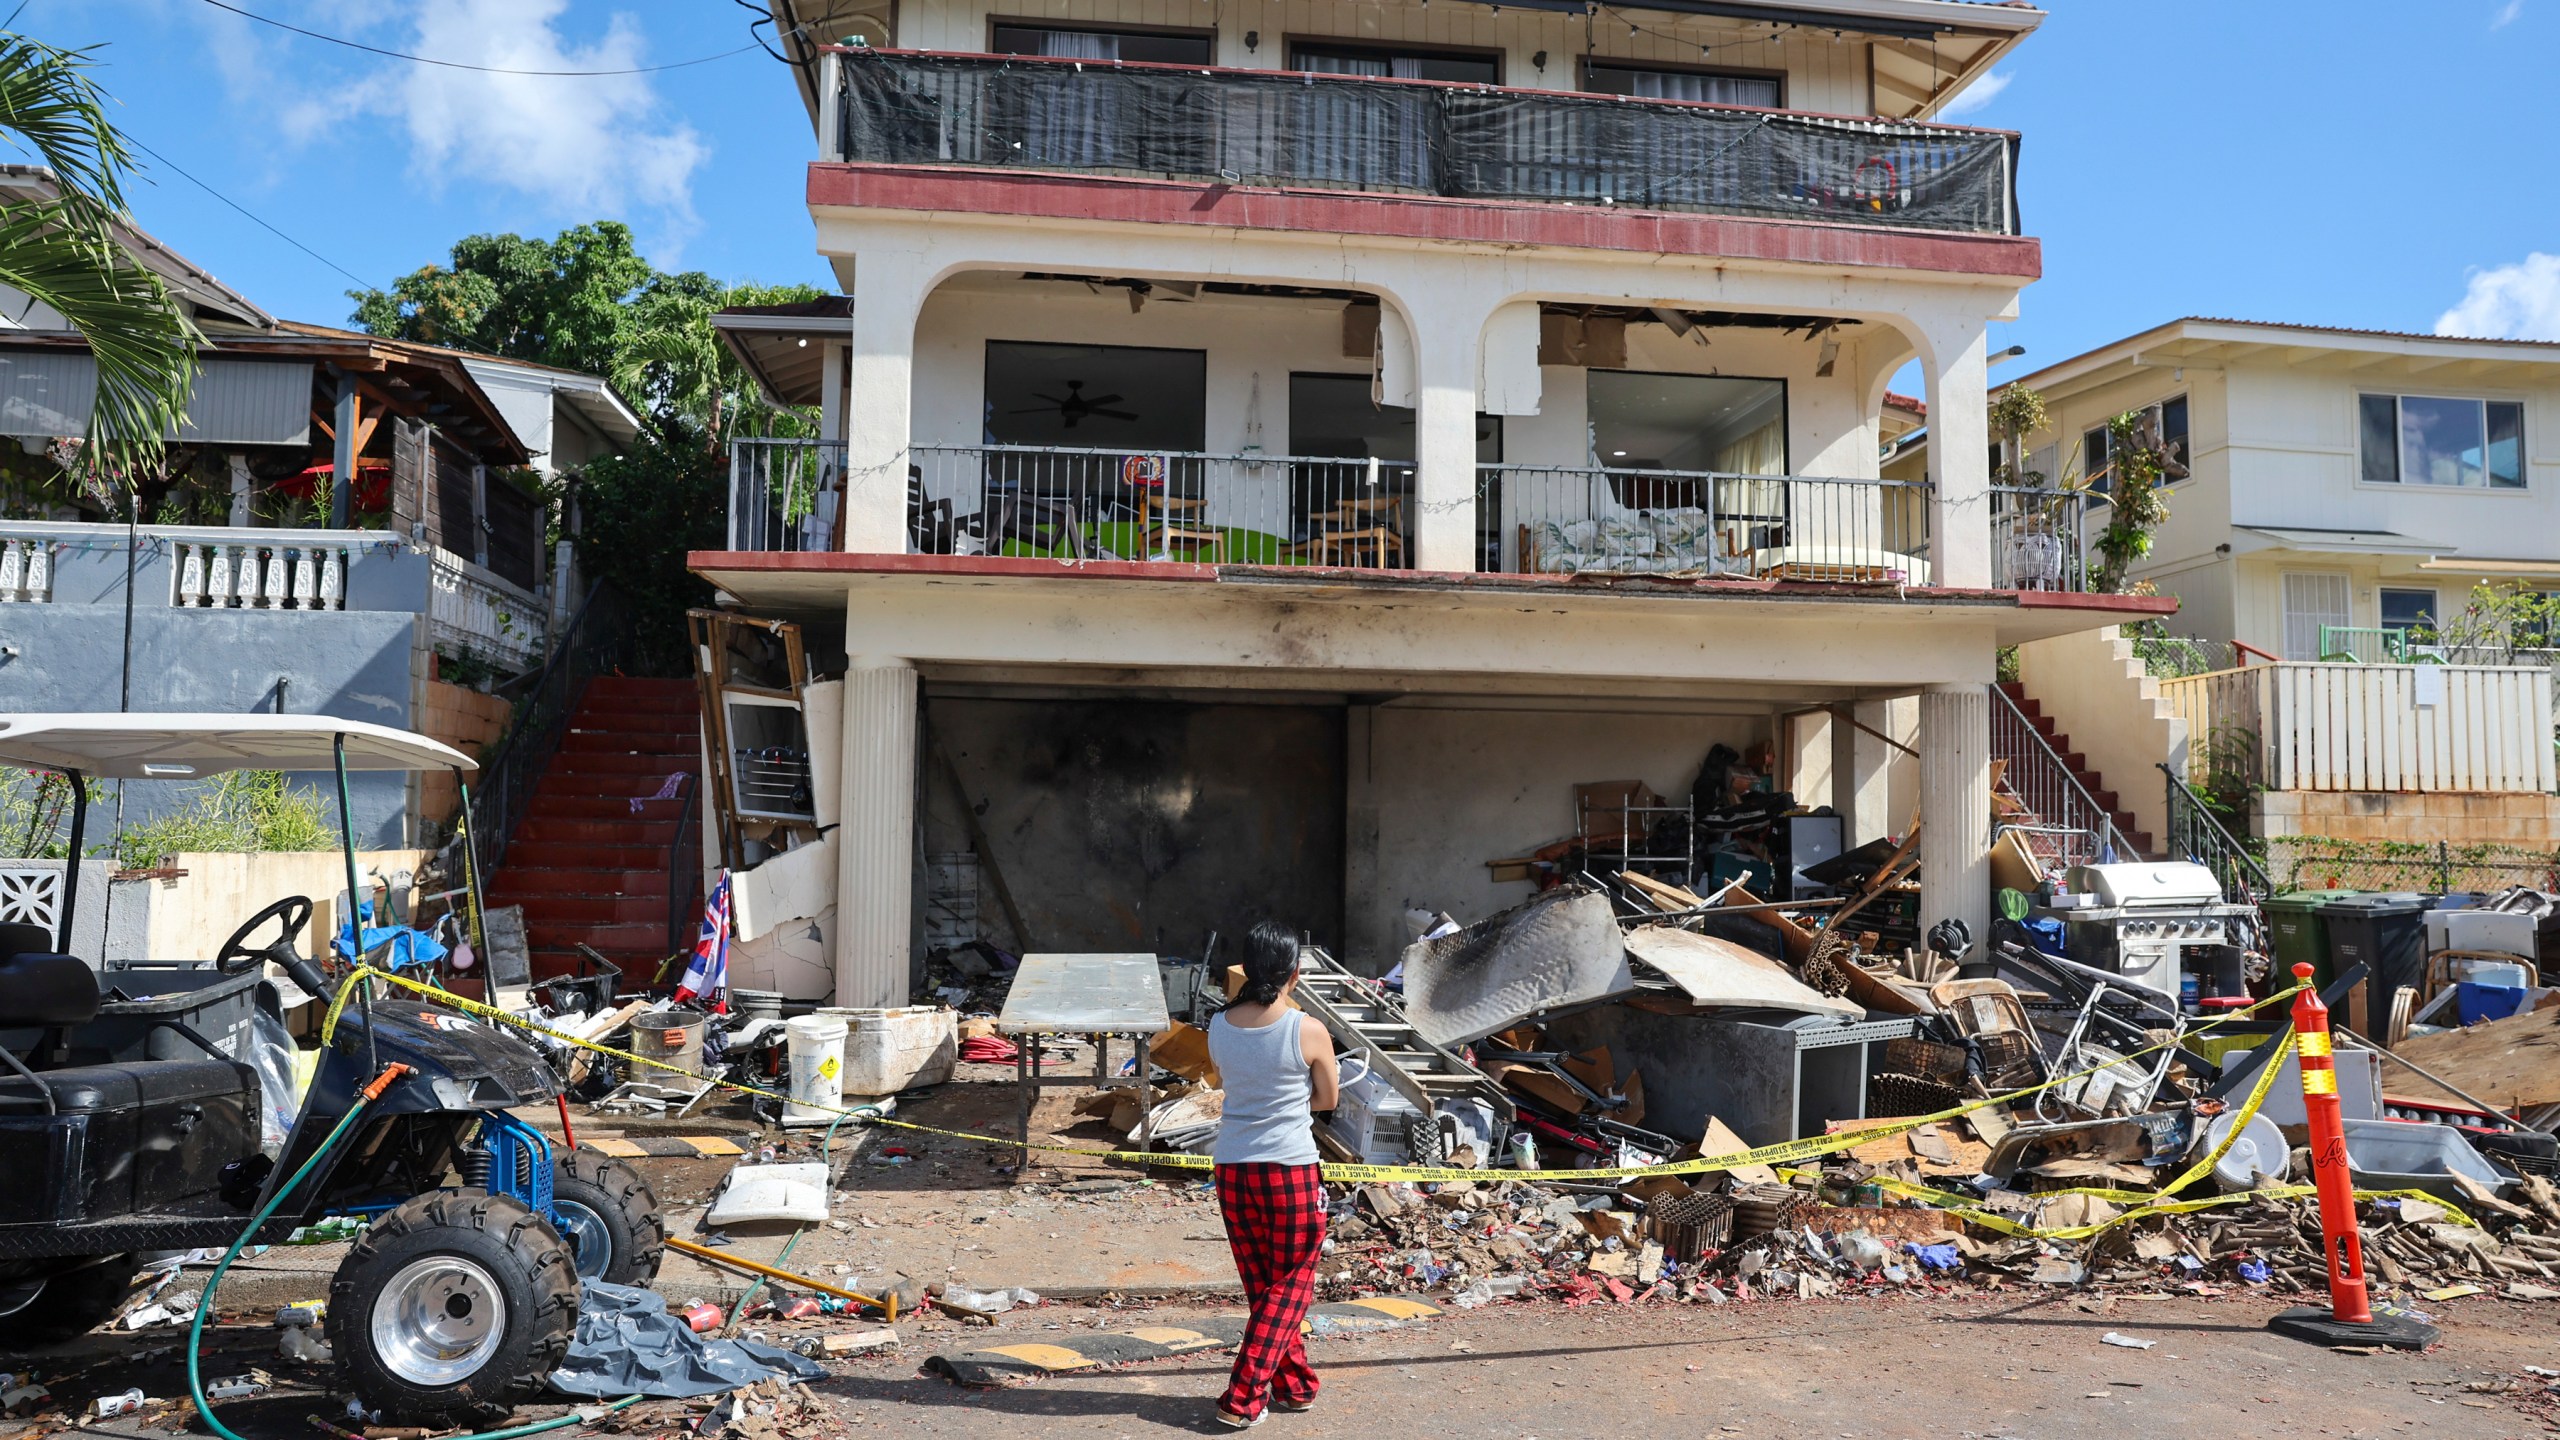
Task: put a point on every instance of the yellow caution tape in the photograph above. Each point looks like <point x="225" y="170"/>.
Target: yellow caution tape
<point x="1785" y="1152"/>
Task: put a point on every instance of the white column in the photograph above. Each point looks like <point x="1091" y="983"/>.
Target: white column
<point x="1862" y="772"/>
<point x="875" y="843"/>
<point x="1959" y="455"/>
<point x="241" y="487"/>
<point x="1955" y="807"/>
<point x="1449" y="327"/>
<point x="889" y="289"/>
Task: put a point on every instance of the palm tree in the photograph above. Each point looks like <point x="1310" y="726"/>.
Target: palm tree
<point x="63" y="252"/>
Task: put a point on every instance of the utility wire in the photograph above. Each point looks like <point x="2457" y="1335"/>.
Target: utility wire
<point x="245" y="210"/>
<point x="482" y="69"/>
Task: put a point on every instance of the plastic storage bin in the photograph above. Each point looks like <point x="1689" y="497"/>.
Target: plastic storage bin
<point x="886" y="1051"/>
<point x="158" y="995"/>
<point x="2396" y="1155"/>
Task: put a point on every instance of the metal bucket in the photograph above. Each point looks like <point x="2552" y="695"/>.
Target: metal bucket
<point x="757" y="1004"/>
<point x="670" y="1037"/>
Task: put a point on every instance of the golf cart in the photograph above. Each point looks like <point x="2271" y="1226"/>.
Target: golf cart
<point x="131" y="1131"/>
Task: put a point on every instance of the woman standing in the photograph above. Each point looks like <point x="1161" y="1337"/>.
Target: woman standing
<point x="1277" y="1066"/>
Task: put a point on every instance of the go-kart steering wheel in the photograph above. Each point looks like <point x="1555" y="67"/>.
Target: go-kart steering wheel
<point x="237" y="956"/>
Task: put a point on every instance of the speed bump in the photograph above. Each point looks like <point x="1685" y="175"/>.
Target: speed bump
<point x="997" y="1365"/>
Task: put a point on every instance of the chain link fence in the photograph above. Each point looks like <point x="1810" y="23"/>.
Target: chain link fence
<point x="2315" y="862"/>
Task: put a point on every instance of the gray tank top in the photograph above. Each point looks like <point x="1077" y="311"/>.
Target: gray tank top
<point x="1264" y="1070"/>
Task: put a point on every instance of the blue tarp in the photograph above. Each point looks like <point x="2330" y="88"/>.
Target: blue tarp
<point x="627" y="1344"/>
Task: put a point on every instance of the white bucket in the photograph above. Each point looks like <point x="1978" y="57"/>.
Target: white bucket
<point x="815" y="1044"/>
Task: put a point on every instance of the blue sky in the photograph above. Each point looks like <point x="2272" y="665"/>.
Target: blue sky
<point x="2356" y="163"/>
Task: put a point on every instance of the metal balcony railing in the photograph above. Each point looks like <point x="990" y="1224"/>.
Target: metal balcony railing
<point x="1164" y="505"/>
<point x="783" y="493"/>
<point x="2039" y="538"/>
<point x="1266" y="127"/>
<point x="1538" y="519"/>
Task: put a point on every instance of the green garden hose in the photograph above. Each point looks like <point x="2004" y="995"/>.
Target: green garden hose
<point x="204" y="1305"/>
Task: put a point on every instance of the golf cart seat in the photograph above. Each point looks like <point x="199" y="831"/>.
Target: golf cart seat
<point x="40" y="988"/>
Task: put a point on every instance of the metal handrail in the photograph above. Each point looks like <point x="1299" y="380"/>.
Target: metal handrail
<point x="2046" y="784"/>
<point x="684" y="868"/>
<point x="2196" y="832"/>
<point x="594" y="640"/>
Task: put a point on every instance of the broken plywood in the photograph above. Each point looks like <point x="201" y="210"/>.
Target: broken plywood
<point x="1719" y="972"/>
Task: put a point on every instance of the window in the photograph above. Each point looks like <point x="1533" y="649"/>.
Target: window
<point x="1396" y="63"/>
<point x="2437" y="440"/>
<point x="1121" y="398"/>
<point x="2407" y="610"/>
<point x="2097" y="447"/>
<point x="1732" y="426"/>
<point x="1650" y="82"/>
<point x="2312" y="601"/>
<point x="1156" y="47"/>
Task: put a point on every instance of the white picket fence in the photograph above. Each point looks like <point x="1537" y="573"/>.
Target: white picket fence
<point x="2416" y="728"/>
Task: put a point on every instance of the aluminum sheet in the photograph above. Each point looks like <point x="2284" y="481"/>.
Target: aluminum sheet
<point x="1719" y="972"/>
<point x="1560" y="949"/>
<point x="1086" y="995"/>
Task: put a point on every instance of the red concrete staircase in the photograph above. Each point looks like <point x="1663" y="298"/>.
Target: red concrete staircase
<point x="586" y="865"/>
<point x="2024" y="763"/>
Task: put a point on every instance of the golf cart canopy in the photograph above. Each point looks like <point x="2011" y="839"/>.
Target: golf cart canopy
<point x="188" y="746"/>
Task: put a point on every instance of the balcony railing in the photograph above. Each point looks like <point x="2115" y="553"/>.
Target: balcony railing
<point x="1266" y="127"/>
<point x="1247" y="509"/>
<point x="1112" y="504"/>
<point x="783" y="493"/>
<point x="1534" y="519"/>
<point x="2039" y="539"/>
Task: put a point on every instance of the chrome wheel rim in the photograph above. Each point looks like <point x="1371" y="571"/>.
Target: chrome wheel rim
<point x="590" y="1242"/>
<point x="438" y="1321"/>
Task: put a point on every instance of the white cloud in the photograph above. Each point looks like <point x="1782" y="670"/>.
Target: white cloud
<point x="2507" y="14"/>
<point x="2509" y="302"/>
<point x="583" y="147"/>
<point x="1975" y="96"/>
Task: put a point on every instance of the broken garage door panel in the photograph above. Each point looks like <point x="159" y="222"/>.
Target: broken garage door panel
<point x="1719" y="972"/>
<point x="1560" y="949"/>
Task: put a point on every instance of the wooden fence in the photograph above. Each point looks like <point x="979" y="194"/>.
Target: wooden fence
<point x="2446" y="728"/>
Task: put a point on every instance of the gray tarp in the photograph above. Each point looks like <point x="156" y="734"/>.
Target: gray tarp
<point x="1559" y="949"/>
<point x="627" y="1344"/>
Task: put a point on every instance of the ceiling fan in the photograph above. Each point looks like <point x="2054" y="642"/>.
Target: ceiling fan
<point x="1076" y="405"/>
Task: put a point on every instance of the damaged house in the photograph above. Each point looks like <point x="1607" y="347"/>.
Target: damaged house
<point x="1231" y="507"/>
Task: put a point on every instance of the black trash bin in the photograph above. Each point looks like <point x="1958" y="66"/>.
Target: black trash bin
<point x="2387" y="934"/>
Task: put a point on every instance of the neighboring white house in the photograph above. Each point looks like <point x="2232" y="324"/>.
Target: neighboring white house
<point x="2350" y="482"/>
<point x="1286" y="448"/>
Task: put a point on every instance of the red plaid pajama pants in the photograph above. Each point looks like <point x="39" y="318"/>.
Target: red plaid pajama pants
<point x="1275" y="1223"/>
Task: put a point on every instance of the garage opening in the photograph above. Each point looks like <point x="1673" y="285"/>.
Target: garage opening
<point x="1129" y="825"/>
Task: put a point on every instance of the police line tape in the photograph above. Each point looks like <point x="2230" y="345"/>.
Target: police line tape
<point x="1782" y="1153"/>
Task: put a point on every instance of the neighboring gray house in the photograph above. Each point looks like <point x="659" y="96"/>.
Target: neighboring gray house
<point x="347" y="524"/>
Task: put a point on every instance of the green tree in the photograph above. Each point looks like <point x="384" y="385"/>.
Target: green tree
<point x="63" y="252"/>
<point x="587" y="300"/>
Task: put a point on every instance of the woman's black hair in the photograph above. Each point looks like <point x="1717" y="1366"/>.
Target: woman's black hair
<point x="1270" y="959"/>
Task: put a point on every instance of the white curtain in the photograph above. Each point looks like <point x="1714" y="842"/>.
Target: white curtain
<point x="1762" y="452"/>
<point x="1079" y="45"/>
<point x="1711" y="89"/>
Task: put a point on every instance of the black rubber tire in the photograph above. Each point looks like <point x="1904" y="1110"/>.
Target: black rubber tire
<point x="616" y="1195"/>
<point x="70" y="1305"/>
<point x="525" y="1259"/>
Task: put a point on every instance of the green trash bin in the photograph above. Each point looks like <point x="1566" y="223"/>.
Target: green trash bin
<point x="2300" y="938"/>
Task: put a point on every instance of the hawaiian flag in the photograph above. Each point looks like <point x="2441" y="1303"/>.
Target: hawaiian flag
<point x="707" y="978"/>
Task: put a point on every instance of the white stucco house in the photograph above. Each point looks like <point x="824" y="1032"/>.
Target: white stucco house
<point x="1274" y="456"/>
<point x="2351" y="482"/>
